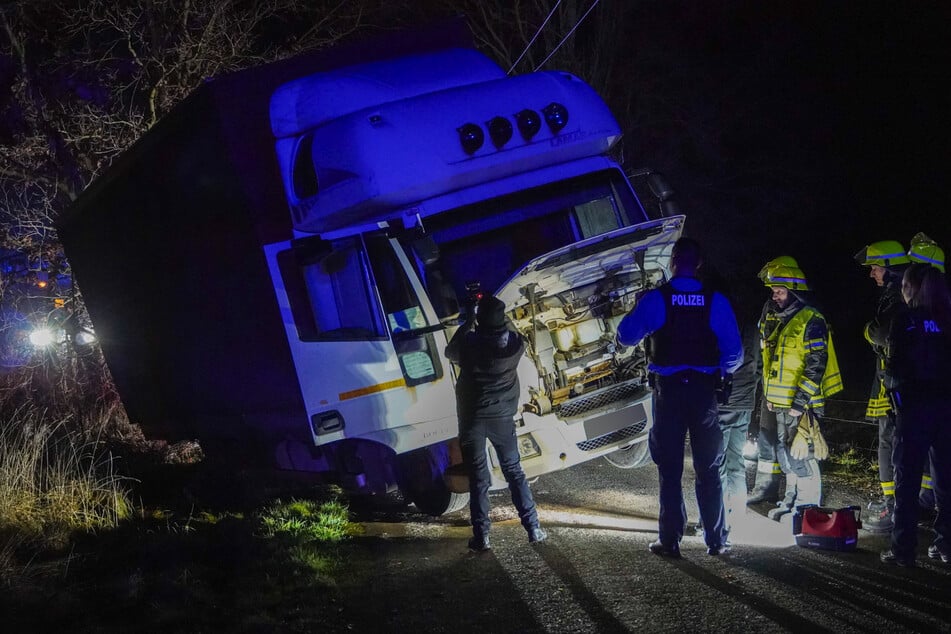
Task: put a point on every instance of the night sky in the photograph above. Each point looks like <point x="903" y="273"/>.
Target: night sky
<point x="813" y="129"/>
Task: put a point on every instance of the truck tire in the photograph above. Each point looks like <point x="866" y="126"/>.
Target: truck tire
<point x="421" y="481"/>
<point x="637" y="455"/>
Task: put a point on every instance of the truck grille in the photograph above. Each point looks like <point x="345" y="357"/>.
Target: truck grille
<point x="594" y="400"/>
<point x="613" y="437"/>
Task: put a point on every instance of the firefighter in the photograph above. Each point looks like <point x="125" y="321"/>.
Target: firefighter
<point x="924" y="249"/>
<point x="917" y="367"/>
<point x="801" y="372"/>
<point x="694" y="338"/>
<point x="768" y="471"/>
<point x="887" y="261"/>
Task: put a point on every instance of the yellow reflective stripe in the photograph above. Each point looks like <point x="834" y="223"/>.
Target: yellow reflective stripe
<point x="888" y="488"/>
<point x="808" y="386"/>
<point x="770" y="468"/>
<point x="372" y="389"/>
<point x="877" y="407"/>
<point x="814" y="344"/>
<point x="926" y="482"/>
<point x="868" y="337"/>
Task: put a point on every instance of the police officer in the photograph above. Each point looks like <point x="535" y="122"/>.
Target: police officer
<point x="887" y="261"/>
<point x="924" y="249"/>
<point x="768" y="471"/>
<point x="800" y="372"/>
<point x="917" y="367"/>
<point x="693" y="339"/>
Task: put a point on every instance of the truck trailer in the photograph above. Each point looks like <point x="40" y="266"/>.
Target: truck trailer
<point x="276" y="267"/>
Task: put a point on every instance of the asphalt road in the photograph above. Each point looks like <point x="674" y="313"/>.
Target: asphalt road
<point x="595" y="573"/>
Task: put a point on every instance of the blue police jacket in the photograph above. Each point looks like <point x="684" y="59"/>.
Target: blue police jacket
<point x="650" y="314"/>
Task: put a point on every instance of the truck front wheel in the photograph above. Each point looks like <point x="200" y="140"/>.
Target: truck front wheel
<point x="637" y="455"/>
<point x="422" y="483"/>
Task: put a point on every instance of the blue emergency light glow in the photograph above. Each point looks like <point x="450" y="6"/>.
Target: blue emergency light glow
<point x="471" y="136"/>
<point x="556" y="116"/>
<point x="500" y="131"/>
<point x="529" y="123"/>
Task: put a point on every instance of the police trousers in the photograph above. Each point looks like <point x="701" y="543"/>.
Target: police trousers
<point x="686" y="403"/>
<point x="921" y="430"/>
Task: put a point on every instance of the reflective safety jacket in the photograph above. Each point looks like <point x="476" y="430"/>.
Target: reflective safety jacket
<point x="890" y="305"/>
<point x="803" y="369"/>
<point x="767" y="324"/>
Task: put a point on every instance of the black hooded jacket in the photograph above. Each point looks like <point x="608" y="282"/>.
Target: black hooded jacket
<point x="487" y="387"/>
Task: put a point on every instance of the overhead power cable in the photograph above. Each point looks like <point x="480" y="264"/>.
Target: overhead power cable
<point x="564" y="39"/>
<point x="534" y="37"/>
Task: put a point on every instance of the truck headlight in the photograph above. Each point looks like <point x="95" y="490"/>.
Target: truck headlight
<point x="42" y="337"/>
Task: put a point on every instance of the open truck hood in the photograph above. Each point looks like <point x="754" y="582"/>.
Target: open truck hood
<point x="645" y="246"/>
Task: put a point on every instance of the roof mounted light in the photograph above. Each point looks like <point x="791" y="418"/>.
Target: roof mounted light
<point x="556" y="116"/>
<point x="500" y="131"/>
<point x="471" y="136"/>
<point x="529" y="123"/>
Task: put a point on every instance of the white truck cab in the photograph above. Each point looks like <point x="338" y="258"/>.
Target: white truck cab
<point x="414" y="182"/>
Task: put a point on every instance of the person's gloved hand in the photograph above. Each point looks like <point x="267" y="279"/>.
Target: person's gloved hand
<point x="800" y="444"/>
<point x="819" y="445"/>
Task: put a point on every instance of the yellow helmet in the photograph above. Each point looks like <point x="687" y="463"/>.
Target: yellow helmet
<point x="782" y="260"/>
<point x="924" y="249"/>
<point x="790" y="277"/>
<point x="882" y="253"/>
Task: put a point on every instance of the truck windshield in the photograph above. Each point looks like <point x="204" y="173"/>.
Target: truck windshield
<point x="486" y="243"/>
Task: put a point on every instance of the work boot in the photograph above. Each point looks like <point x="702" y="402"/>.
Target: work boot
<point x="881" y="515"/>
<point x="766" y="489"/>
<point x="479" y="543"/>
<point x="788" y="503"/>
<point x="537" y="534"/>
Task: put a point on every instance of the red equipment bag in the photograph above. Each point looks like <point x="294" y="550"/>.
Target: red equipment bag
<point x="825" y="528"/>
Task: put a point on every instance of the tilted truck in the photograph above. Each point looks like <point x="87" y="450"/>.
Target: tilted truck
<point x="276" y="267"/>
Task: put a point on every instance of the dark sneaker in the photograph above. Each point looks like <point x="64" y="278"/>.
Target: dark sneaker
<point x="659" y="548"/>
<point x="889" y="557"/>
<point x="723" y="549"/>
<point x="479" y="543"/>
<point x="935" y="553"/>
<point x="536" y="535"/>
<point x="881" y="517"/>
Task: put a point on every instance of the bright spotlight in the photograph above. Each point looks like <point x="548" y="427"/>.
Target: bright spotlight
<point x="41" y="337"/>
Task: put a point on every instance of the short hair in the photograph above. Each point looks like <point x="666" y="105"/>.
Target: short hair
<point x="687" y="252"/>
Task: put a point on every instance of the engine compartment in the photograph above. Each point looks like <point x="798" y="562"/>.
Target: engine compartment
<point x="572" y="341"/>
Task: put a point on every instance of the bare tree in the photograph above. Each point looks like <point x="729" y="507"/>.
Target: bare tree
<point x="80" y="81"/>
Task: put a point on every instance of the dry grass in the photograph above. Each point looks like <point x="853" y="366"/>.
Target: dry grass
<point x="53" y="482"/>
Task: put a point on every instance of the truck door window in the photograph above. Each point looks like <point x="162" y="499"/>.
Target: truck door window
<point x="329" y="288"/>
<point x="412" y="333"/>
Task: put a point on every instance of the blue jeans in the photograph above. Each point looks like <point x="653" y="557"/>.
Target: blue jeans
<point x="501" y="433"/>
<point x="734" y="425"/>
<point x="685" y="402"/>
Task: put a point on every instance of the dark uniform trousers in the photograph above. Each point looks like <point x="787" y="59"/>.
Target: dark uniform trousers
<point x="921" y="429"/>
<point x="686" y="402"/>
